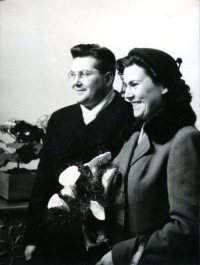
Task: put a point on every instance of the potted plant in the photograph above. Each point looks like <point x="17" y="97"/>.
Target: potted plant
<point x="16" y="183"/>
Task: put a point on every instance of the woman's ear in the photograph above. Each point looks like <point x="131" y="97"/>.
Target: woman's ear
<point x="108" y="78"/>
<point x="165" y="90"/>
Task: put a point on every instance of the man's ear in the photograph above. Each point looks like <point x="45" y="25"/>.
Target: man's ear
<point x="108" y="78"/>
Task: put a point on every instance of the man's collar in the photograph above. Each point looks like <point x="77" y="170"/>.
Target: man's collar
<point x="90" y="115"/>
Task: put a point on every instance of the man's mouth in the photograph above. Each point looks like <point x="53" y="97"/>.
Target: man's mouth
<point x="80" y="90"/>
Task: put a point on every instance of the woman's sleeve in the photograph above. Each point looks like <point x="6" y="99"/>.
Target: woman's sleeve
<point x="178" y="241"/>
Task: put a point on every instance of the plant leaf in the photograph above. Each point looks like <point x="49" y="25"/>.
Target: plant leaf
<point x="15" y="145"/>
<point x="3" y="159"/>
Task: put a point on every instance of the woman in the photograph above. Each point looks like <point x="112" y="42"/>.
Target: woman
<point x="156" y="221"/>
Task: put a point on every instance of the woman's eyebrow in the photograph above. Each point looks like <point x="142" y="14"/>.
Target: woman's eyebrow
<point x="133" y="81"/>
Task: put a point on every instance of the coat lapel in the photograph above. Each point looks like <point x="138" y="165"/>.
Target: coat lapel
<point x="127" y="153"/>
<point x="141" y="150"/>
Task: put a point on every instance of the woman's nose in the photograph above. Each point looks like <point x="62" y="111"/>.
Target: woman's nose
<point x="129" y="94"/>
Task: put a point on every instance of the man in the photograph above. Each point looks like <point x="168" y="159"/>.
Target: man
<point x="78" y="133"/>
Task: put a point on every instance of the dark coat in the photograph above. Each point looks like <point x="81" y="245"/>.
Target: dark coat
<point x="68" y="140"/>
<point x="159" y="202"/>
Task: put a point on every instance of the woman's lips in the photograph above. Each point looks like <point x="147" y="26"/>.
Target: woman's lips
<point x="136" y="102"/>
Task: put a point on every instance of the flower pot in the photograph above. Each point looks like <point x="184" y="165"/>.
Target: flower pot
<point x="16" y="186"/>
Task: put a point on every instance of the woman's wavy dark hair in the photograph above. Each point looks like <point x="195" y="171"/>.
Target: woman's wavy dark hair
<point x="178" y="91"/>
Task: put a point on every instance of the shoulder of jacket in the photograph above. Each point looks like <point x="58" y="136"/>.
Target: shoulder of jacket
<point x="187" y="135"/>
<point x="65" y="110"/>
<point x="186" y="131"/>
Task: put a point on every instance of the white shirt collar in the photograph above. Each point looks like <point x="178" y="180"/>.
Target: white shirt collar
<point x="142" y="134"/>
<point x="90" y="115"/>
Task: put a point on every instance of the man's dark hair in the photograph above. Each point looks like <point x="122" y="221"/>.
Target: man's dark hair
<point x="105" y="58"/>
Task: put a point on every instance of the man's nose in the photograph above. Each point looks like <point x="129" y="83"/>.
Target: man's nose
<point x="77" y="81"/>
<point x="129" y="94"/>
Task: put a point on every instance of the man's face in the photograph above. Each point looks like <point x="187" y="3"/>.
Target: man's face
<point x="90" y="87"/>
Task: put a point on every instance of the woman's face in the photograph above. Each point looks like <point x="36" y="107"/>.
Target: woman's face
<point x="142" y="93"/>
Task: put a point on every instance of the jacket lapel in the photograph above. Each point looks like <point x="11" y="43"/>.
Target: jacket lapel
<point x="141" y="150"/>
<point x="127" y="152"/>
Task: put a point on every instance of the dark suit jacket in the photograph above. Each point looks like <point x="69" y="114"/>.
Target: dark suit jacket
<point x="69" y="140"/>
<point x="162" y="187"/>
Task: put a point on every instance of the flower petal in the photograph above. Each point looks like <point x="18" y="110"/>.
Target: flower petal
<point x="107" y="175"/>
<point x="68" y="191"/>
<point x="56" y="201"/>
<point x="69" y="176"/>
<point x="97" y="210"/>
<point x="98" y="160"/>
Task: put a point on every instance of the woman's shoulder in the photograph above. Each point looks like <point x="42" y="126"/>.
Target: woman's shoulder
<point x="188" y="131"/>
<point x="187" y="136"/>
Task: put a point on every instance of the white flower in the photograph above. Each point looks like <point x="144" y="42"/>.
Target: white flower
<point x="43" y="121"/>
<point x="97" y="210"/>
<point x="68" y="191"/>
<point x="69" y="176"/>
<point x="98" y="160"/>
<point x="106" y="176"/>
<point x="56" y="201"/>
<point x="11" y="123"/>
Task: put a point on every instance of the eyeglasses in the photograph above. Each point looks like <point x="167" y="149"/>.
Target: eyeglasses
<point x="83" y="75"/>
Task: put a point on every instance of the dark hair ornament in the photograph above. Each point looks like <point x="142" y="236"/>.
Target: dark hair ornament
<point x="179" y="62"/>
<point x="163" y="69"/>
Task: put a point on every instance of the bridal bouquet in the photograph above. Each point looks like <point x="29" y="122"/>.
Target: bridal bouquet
<point x="80" y="204"/>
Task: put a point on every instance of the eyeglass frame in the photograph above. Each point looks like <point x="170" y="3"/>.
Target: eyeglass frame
<point x="89" y="73"/>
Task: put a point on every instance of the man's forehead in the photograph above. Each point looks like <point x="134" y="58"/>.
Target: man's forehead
<point x="83" y="63"/>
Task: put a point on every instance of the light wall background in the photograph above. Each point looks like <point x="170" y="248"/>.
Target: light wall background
<point x="36" y="37"/>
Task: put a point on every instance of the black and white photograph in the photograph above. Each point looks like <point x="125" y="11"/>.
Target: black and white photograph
<point x="100" y="132"/>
